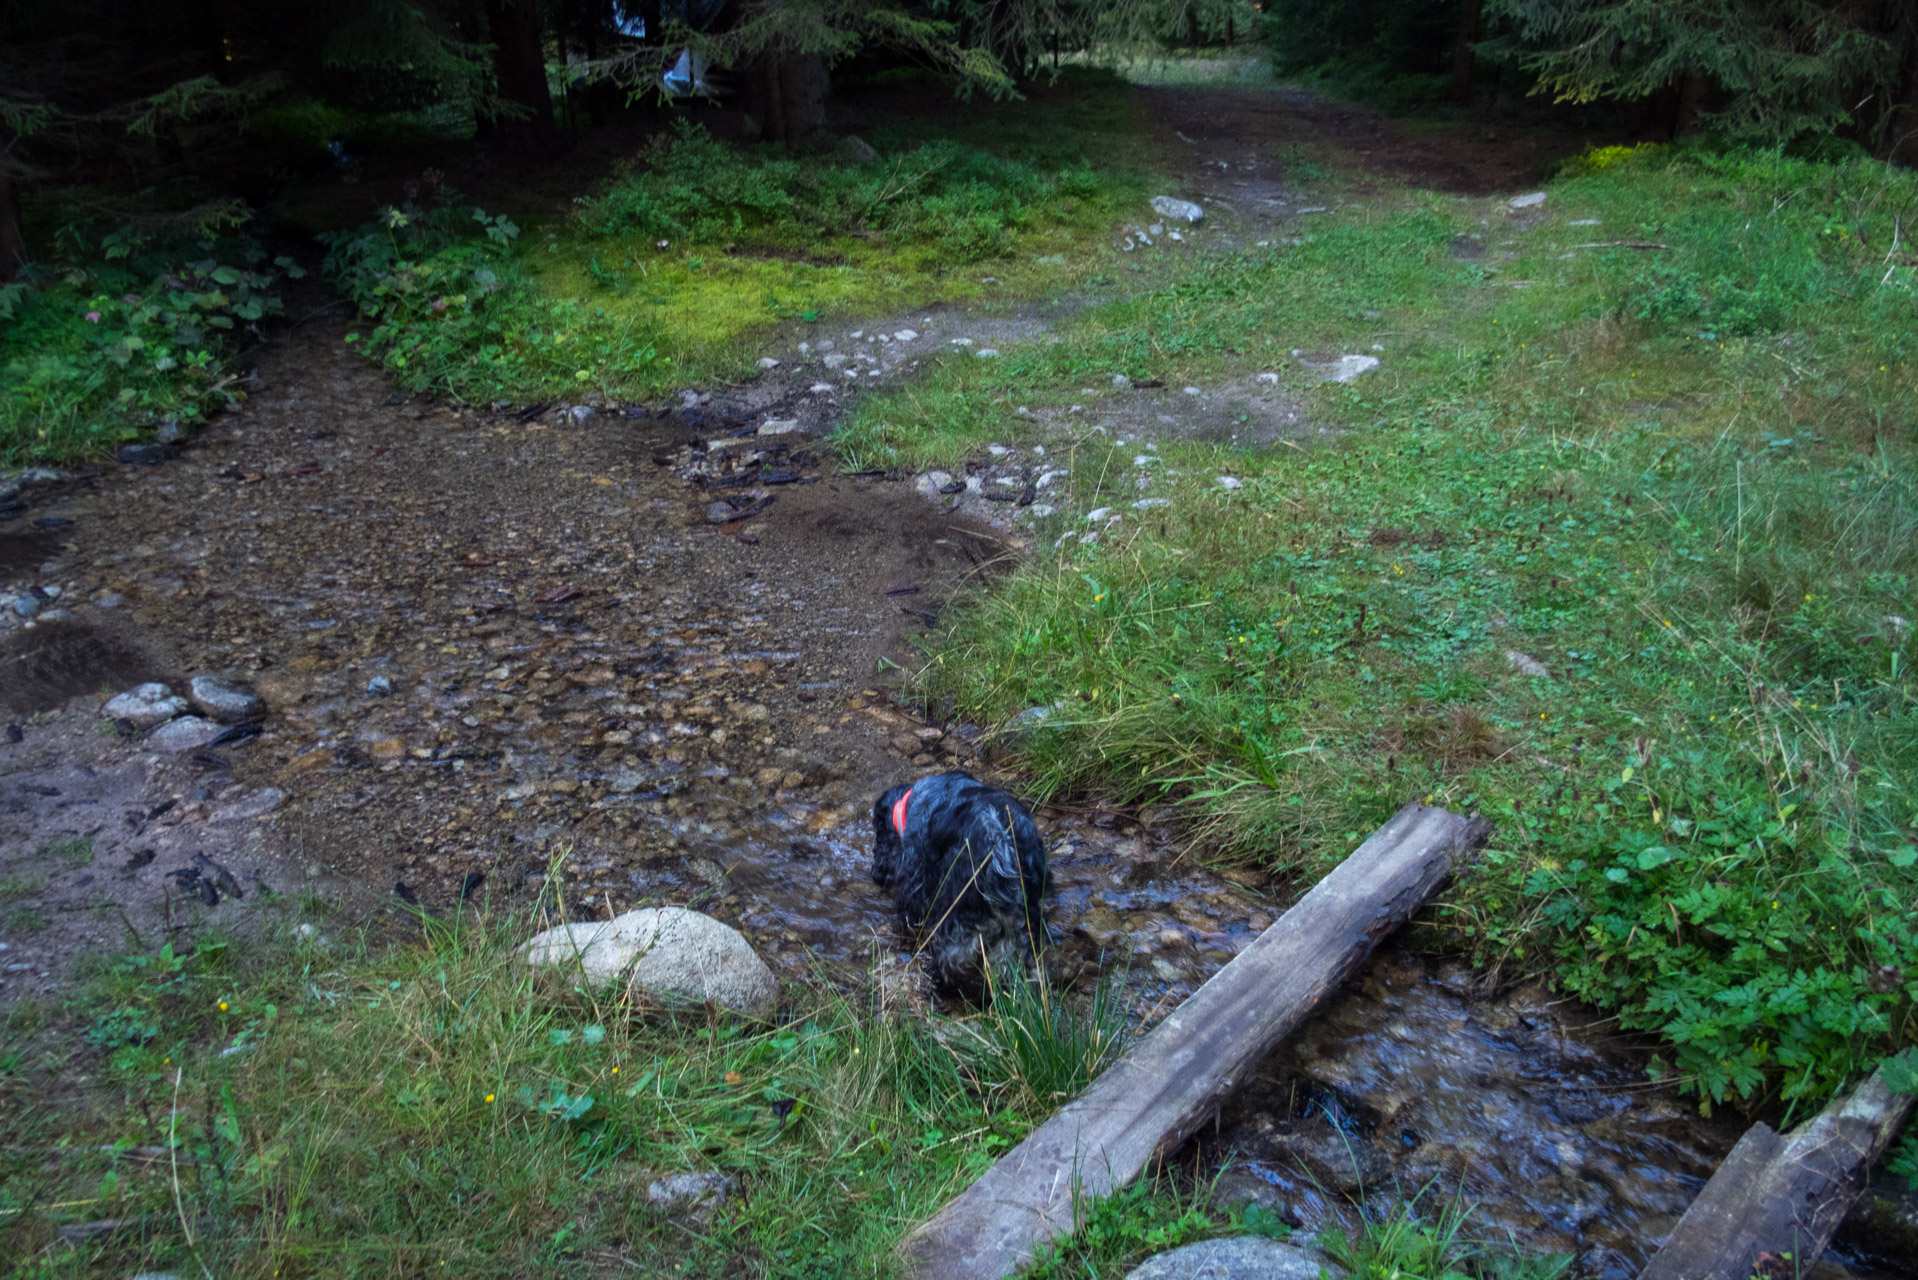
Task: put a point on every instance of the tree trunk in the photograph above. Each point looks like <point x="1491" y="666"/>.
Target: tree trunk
<point x="802" y="81"/>
<point x="1691" y="96"/>
<point x="519" y="62"/>
<point x="13" y="245"/>
<point x="1462" y="55"/>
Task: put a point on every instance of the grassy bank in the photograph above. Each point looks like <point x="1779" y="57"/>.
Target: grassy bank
<point x="1617" y="546"/>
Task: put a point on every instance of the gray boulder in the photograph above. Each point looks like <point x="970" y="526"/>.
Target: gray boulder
<point x="669" y="951"/>
<point x="1237" y="1258"/>
<point x="146" y="704"/>
<point x="224" y="700"/>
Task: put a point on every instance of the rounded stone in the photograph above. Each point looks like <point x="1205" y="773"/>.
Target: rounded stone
<point x="224" y="700"/>
<point x="669" y="951"/>
<point x="145" y="704"/>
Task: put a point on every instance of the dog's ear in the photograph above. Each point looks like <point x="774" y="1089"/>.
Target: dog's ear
<point x="886" y="845"/>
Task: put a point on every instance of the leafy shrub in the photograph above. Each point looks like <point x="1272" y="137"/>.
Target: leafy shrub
<point x="454" y="313"/>
<point x="104" y="346"/>
<point x="964" y="200"/>
<point x="1736" y="929"/>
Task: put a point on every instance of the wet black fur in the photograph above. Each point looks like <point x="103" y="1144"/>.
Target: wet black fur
<point x="971" y="870"/>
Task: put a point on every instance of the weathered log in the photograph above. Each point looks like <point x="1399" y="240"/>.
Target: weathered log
<point x="1776" y="1200"/>
<point x="1173" y="1080"/>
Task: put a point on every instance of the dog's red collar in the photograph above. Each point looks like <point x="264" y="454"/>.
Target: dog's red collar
<point x="899" y="813"/>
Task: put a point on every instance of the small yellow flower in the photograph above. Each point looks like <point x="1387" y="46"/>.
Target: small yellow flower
<point x="489" y="1097"/>
<point x="222" y="1006"/>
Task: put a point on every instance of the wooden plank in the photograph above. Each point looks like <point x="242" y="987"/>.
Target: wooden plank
<point x="1774" y="1203"/>
<point x="1173" y="1080"/>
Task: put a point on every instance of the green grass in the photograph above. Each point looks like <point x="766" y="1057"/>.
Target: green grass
<point x="1680" y="479"/>
<point x="403" y="1097"/>
<point x="681" y="269"/>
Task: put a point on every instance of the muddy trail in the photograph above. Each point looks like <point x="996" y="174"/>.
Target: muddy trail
<point x="622" y="655"/>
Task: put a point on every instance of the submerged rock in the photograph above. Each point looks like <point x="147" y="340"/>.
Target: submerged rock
<point x="669" y="951"/>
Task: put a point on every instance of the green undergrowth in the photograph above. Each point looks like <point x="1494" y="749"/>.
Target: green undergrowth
<point x="409" y="1099"/>
<point x="119" y="333"/>
<point x="681" y="268"/>
<point x="1616" y="547"/>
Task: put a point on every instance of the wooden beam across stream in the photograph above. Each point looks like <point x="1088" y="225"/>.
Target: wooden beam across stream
<point x="1172" y="1082"/>
<point x="1775" y="1202"/>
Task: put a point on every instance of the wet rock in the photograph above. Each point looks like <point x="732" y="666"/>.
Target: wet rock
<point x="1237" y="1258"/>
<point x="1174" y="209"/>
<point x="932" y="483"/>
<point x="1529" y="200"/>
<point x="379" y="686"/>
<point x="188" y="733"/>
<point x="224" y="700"/>
<point x="1240" y="1186"/>
<point x="694" y="1198"/>
<point x="669" y="951"/>
<point x="1325" y="1154"/>
<point x="580" y="412"/>
<point x="26" y="606"/>
<point x="142" y="455"/>
<point x="145" y="704"/>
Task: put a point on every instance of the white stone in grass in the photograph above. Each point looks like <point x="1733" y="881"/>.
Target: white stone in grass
<point x="695" y="1198"/>
<point x="1528" y="200"/>
<point x="820" y="388"/>
<point x="986" y="353"/>
<point x="931" y="483"/>
<point x="1143" y="460"/>
<point x="997" y="450"/>
<point x="1269" y="379"/>
<point x="669" y="951"/>
<point x="906" y="335"/>
<point x="1583" y="222"/>
<point x="1174" y="209"/>
<point x="1344" y="369"/>
<point x="779" y="426"/>
<point x="1525" y="664"/>
<point x="962" y="342"/>
<point x="1097" y="514"/>
<point x="1231" y="482"/>
<point x="1147" y="504"/>
<point x="767" y="362"/>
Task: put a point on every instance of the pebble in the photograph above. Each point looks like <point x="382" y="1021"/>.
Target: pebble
<point x="581" y="412"/>
<point x="779" y="426"/>
<point x="169" y="432"/>
<point x="1528" y="200"/>
<point x="1147" y="504"/>
<point x="834" y="360"/>
<point x="379" y="686"/>
<point x="696" y="1197"/>
<point x="906" y="335"/>
<point x="145" y="704"/>
<point x="224" y="700"/>
<point x="1269" y="379"/>
<point x="1231" y="482"/>
<point x="185" y="734"/>
<point x="997" y="450"/>
<point x="767" y="362"/>
<point x="1098" y="513"/>
<point x="141" y="455"/>
<point x="26" y="606"/>
<point x="818" y="388"/>
<point x="986" y="353"/>
<point x="930" y="484"/>
<point x="107" y="600"/>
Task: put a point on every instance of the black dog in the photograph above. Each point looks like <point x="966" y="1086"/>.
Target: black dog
<point x="966" y="865"/>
